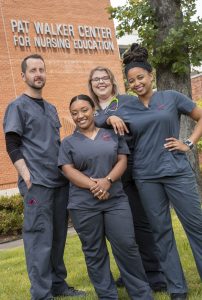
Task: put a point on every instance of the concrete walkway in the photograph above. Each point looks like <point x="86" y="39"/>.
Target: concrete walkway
<point x="10" y="245"/>
<point x="19" y="243"/>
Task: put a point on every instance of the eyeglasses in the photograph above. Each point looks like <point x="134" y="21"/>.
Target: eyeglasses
<point x="97" y="79"/>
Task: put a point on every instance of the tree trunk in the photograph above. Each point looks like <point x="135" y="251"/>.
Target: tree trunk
<point x="168" y="15"/>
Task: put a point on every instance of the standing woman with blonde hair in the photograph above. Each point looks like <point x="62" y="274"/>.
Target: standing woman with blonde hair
<point x="104" y="91"/>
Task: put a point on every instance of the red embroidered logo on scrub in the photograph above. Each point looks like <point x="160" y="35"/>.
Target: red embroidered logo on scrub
<point x="106" y="137"/>
<point x="32" y="201"/>
<point x="160" y="106"/>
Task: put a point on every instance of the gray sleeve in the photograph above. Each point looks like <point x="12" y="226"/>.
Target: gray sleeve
<point x="124" y="103"/>
<point x="122" y="147"/>
<point x="54" y="114"/>
<point x="101" y="119"/>
<point x="13" y="119"/>
<point x="184" y="104"/>
<point x="65" y="154"/>
<point x="57" y="117"/>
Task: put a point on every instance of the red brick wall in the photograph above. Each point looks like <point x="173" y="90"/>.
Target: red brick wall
<point x="67" y="70"/>
<point x="196" y="83"/>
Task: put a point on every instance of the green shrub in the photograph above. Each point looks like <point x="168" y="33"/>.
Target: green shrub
<point x="11" y="215"/>
<point x="199" y="103"/>
<point x="11" y="222"/>
<point x="199" y="145"/>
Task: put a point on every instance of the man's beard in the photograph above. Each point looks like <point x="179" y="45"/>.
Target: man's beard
<point x="36" y="87"/>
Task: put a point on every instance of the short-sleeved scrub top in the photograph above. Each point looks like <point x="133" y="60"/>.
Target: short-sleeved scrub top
<point x="94" y="158"/>
<point x="150" y="127"/>
<point x="102" y="115"/>
<point x="39" y="131"/>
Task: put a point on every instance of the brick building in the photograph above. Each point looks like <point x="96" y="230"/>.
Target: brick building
<point x="73" y="37"/>
<point x="196" y="84"/>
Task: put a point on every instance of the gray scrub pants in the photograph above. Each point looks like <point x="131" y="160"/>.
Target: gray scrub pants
<point x="181" y="192"/>
<point x="143" y="233"/>
<point x="44" y="235"/>
<point x="116" y="224"/>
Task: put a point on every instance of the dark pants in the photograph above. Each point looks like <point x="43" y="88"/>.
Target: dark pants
<point x="114" y="223"/>
<point x="44" y="235"/>
<point x="181" y="192"/>
<point x="143" y="233"/>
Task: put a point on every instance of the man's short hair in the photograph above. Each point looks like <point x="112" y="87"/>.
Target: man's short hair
<point x="24" y="62"/>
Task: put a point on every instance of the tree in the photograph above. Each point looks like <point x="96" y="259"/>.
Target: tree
<point x="174" y="40"/>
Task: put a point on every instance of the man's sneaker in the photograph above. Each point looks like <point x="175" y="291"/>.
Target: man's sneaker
<point x="71" y="292"/>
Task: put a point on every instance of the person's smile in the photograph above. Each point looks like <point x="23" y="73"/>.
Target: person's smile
<point x="102" y="86"/>
<point x="83" y="121"/>
<point x="139" y="88"/>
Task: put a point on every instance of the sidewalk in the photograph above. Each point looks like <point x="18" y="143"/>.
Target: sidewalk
<point x="10" y="245"/>
<point x="19" y="243"/>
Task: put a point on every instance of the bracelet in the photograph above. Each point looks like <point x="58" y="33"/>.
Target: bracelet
<point x="110" y="180"/>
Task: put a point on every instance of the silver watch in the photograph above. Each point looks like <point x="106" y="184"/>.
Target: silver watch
<point x="188" y="143"/>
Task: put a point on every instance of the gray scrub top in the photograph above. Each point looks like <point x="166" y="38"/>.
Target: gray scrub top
<point x="94" y="158"/>
<point x="102" y="115"/>
<point x="39" y="130"/>
<point x="150" y="127"/>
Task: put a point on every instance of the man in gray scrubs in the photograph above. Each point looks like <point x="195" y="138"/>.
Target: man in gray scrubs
<point x="31" y="127"/>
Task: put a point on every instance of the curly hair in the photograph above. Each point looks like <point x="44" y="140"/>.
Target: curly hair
<point x="136" y="56"/>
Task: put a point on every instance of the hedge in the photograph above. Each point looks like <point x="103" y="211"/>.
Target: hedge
<point x="11" y="215"/>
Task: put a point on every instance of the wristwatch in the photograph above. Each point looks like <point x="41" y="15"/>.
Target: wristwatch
<point x="110" y="180"/>
<point x="188" y="143"/>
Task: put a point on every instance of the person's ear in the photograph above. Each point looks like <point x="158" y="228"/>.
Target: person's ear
<point x="23" y="76"/>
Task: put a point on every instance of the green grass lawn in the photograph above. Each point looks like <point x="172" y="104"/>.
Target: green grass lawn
<point x="14" y="283"/>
